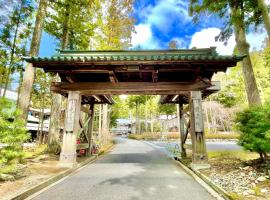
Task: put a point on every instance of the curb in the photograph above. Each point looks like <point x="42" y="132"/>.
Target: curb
<point x="202" y="178"/>
<point x="46" y="183"/>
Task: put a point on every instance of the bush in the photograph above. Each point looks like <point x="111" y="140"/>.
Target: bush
<point x="254" y="125"/>
<point x="12" y="133"/>
<point x="145" y="136"/>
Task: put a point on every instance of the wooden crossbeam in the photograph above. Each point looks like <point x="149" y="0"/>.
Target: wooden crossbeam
<point x="101" y="88"/>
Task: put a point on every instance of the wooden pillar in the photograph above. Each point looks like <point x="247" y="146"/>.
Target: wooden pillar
<point x="68" y="154"/>
<point x="182" y="129"/>
<point x="199" y="154"/>
<point x="90" y="127"/>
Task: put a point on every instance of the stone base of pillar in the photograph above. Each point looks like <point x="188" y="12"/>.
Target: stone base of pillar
<point x="199" y="166"/>
<point x="68" y="160"/>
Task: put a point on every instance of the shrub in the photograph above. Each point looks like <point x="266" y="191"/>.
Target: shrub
<point x="12" y="133"/>
<point x="254" y="125"/>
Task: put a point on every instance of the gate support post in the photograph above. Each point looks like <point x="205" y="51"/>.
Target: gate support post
<point x="90" y="127"/>
<point x="199" y="154"/>
<point x="68" y="154"/>
<point x="182" y="130"/>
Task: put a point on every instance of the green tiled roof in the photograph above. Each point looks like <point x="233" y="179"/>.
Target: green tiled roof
<point x="146" y="55"/>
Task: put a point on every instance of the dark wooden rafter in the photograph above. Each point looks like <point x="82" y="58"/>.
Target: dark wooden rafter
<point x="158" y="88"/>
<point x="184" y="97"/>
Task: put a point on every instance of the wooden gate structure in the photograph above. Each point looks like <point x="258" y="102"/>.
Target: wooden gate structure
<point x="179" y="76"/>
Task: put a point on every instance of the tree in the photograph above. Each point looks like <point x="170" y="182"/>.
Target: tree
<point x="41" y="97"/>
<point x="29" y="75"/>
<point x="173" y="44"/>
<point x="114" y="25"/>
<point x="69" y="22"/>
<point x="238" y="23"/>
<point x="135" y="101"/>
<point x="265" y="15"/>
<point x="13" y="32"/>
<point x="254" y="125"/>
<point x="12" y="133"/>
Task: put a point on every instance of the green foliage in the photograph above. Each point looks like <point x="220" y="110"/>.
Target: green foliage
<point x="254" y="125"/>
<point x="226" y="98"/>
<point x="118" y="110"/>
<point x="74" y="17"/>
<point x="115" y="25"/>
<point x="41" y="94"/>
<point x="12" y="133"/>
<point x="167" y="109"/>
<point x="14" y="34"/>
<point x="247" y="8"/>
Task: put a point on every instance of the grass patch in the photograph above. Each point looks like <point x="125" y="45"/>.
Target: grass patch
<point x="231" y="155"/>
<point x="222" y="136"/>
<point x="176" y="136"/>
<point x="235" y="196"/>
<point x="8" y="169"/>
<point x="145" y="136"/>
<point x="35" y="151"/>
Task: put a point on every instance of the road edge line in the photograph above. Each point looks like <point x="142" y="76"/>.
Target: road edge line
<point x="33" y="191"/>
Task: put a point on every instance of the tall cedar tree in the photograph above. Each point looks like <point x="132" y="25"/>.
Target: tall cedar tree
<point x="29" y="75"/>
<point x="235" y="13"/>
<point x="265" y="14"/>
<point x="76" y="31"/>
<point x="13" y="33"/>
<point x="70" y="22"/>
<point x="115" y="25"/>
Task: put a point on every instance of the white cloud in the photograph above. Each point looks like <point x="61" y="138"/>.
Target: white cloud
<point x="206" y="38"/>
<point x="143" y="37"/>
<point x="165" y="14"/>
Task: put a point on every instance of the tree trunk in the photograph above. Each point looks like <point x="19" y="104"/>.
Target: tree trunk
<point x="263" y="7"/>
<point x="243" y="49"/>
<point x="66" y="30"/>
<point x="19" y="88"/>
<point x="41" y="124"/>
<point x="145" y="123"/>
<point x="55" y="121"/>
<point x="137" y="118"/>
<point x="29" y="75"/>
<point x="54" y="128"/>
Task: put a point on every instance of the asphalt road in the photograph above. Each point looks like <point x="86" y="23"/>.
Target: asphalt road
<point x="133" y="170"/>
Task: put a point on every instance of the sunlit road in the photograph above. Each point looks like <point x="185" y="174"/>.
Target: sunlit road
<point x="133" y="170"/>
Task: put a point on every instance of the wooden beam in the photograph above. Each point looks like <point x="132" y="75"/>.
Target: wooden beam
<point x="102" y="88"/>
<point x="112" y="77"/>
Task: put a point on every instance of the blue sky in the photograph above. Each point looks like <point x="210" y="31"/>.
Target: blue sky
<point x="159" y="21"/>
